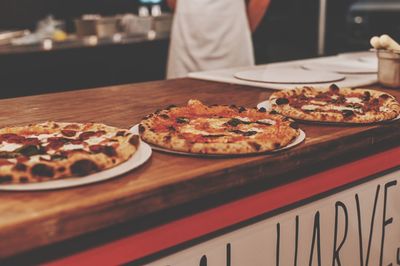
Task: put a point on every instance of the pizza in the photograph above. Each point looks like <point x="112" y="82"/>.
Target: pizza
<point x="217" y="129"/>
<point x="52" y="150"/>
<point x="334" y="104"/>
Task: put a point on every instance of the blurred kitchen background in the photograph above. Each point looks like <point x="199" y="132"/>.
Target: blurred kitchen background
<point x="55" y="45"/>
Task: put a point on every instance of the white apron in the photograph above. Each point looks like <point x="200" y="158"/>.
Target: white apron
<point x="209" y="34"/>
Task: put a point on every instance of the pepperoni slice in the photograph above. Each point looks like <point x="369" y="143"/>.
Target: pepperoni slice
<point x="107" y="150"/>
<point x="68" y="132"/>
<point x="12" y="138"/>
<point x="86" y="135"/>
<point x="31" y="141"/>
<point x="96" y="148"/>
<point x="5" y="162"/>
<point x="56" y="143"/>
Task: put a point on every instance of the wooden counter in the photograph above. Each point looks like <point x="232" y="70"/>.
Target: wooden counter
<point x="35" y="219"/>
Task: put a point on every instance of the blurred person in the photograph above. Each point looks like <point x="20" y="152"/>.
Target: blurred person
<point x="212" y="34"/>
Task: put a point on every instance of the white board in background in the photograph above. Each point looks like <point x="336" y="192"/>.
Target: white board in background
<point x="227" y="76"/>
<point x="344" y="66"/>
<point x="288" y="76"/>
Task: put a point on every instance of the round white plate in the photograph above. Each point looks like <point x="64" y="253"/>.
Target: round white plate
<point x="268" y="106"/>
<point x="139" y="158"/>
<point x="297" y="141"/>
<point x="288" y="76"/>
<point x="344" y="66"/>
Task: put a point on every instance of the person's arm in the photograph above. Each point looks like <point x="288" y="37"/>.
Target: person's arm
<point x="255" y="12"/>
<point x="171" y="4"/>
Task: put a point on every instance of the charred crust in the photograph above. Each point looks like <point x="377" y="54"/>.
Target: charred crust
<point x="120" y="133"/>
<point x="171" y="128"/>
<point x="59" y="157"/>
<point x="5" y="179"/>
<point x="384" y="96"/>
<point x="262" y="110"/>
<point x="366" y="96"/>
<point x="61" y="169"/>
<point x="234" y="122"/>
<point x="157" y="111"/>
<point x="281" y="101"/>
<point x="242" y="109"/>
<point x="43" y="170"/>
<point x="20" y="167"/>
<point x="83" y="167"/>
<point x="334" y="88"/>
<point x="347" y="113"/>
<point x="147" y="117"/>
<point x="255" y="145"/>
<point x="167" y="138"/>
<point x="249" y="133"/>
<point x="170" y="106"/>
<point x="113" y="160"/>
<point x="134" y="140"/>
<point x="141" y="128"/>
<point x="375" y="101"/>
<point x="213" y="136"/>
<point x="233" y="106"/>
<point x="294" y="125"/>
<point x="273" y="112"/>
<point x="23" y="179"/>
<point x="263" y="123"/>
<point x="110" y="151"/>
<point x="277" y="145"/>
<point x="182" y="120"/>
<point x="164" y="116"/>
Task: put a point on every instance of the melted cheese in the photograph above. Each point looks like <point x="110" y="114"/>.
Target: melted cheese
<point x="191" y="130"/>
<point x="343" y="108"/>
<point x="255" y="129"/>
<point x="217" y="123"/>
<point x="384" y="109"/>
<point x="310" y="107"/>
<point x="9" y="147"/>
<point x="42" y="136"/>
<point x="353" y="100"/>
<point x="68" y="147"/>
<point x="268" y="121"/>
<point x="36" y="158"/>
<point x="318" y="102"/>
<point x="94" y="140"/>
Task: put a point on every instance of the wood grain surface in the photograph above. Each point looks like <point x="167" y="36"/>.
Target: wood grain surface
<point x="35" y="219"/>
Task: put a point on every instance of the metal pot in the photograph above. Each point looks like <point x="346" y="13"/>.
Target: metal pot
<point x="389" y="68"/>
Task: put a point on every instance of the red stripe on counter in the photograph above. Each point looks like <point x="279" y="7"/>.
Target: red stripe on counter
<point x="165" y="236"/>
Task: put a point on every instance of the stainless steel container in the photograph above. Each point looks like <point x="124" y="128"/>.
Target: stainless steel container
<point x="101" y="27"/>
<point x="389" y="68"/>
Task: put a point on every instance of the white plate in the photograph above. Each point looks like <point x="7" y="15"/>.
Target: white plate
<point x="297" y="141"/>
<point x="268" y="106"/>
<point x="345" y="66"/>
<point x="139" y="158"/>
<point x="288" y="76"/>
